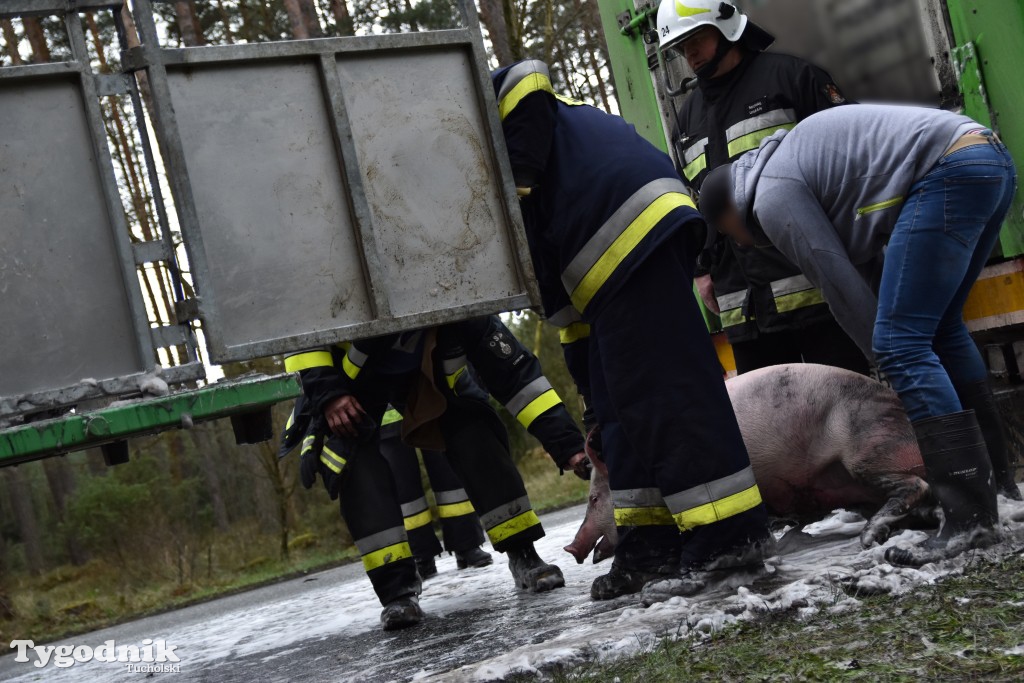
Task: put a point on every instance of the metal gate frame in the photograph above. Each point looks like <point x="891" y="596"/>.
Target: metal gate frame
<point x="92" y="86"/>
<point x="154" y="59"/>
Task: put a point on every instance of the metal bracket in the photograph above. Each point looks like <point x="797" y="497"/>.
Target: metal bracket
<point x="186" y="310"/>
<point x="134" y="59"/>
<point x="111" y="84"/>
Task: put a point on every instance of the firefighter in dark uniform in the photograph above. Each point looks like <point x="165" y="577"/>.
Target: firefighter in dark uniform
<point x="614" y="237"/>
<point x="460" y="525"/>
<point x="770" y="312"/>
<point x="346" y="391"/>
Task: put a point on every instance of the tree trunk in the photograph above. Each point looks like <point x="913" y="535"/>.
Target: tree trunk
<point x="311" y="19"/>
<point x="493" y="18"/>
<point x="188" y="23"/>
<point x="342" y="18"/>
<point x="514" y="29"/>
<point x="20" y="494"/>
<point x="296" y="19"/>
<point x="37" y="39"/>
<point x="61" y="481"/>
<point x="208" y="463"/>
<point x="272" y="466"/>
<point x="10" y="41"/>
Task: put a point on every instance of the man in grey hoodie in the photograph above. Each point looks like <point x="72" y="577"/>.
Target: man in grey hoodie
<point x="892" y="212"/>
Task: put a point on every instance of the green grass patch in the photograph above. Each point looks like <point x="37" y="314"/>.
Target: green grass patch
<point x="963" y="629"/>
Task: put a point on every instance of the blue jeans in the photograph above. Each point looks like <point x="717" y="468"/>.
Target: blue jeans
<point x="946" y="231"/>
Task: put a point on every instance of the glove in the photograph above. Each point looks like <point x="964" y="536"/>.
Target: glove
<point x="592" y="444"/>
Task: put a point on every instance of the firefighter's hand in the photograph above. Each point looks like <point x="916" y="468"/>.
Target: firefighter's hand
<point x="580" y="466"/>
<point x="343" y="416"/>
<point x="707" y="292"/>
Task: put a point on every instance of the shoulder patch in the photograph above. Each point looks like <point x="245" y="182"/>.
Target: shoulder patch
<point x="833" y="94"/>
<point x="499" y="345"/>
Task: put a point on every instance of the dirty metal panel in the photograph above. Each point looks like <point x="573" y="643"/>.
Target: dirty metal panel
<point x="271" y="201"/>
<point x="430" y="178"/>
<point x="63" y="302"/>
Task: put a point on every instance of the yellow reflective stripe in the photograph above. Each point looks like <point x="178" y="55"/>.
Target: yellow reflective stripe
<point x="791" y="302"/>
<point x="684" y="11"/>
<point x="720" y="509"/>
<point x="624" y="244"/>
<point x="455" y="509"/>
<point x="733" y="317"/>
<point x="507" y="529"/>
<point x="692" y="169"/>
<point x="391" y="417"/>
<point x="880" y="206"/>
<point x="307" y="360"/>
<point x="333" y="461"/>
<point x="453" y="378"/>
<point x="291" y="420"/>
<point x="573" y="333"/>
<point x="350" y="368"/>
<point x="392" y="553"/>
<point x="531" y="83"/>
<point x="307" y="444"/>
<point x="535" y="408"/>
<point x="750" y="141"/>
<point x="655" y="516"/>
<point x="417" y="520"/>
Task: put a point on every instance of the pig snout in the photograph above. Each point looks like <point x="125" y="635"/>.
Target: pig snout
<point x="598" y="531"/>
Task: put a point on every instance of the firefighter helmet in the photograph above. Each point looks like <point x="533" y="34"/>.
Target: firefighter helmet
<point x="678" y="19"/>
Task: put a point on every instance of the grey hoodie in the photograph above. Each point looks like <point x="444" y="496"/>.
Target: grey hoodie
<point x="828" y="194"/>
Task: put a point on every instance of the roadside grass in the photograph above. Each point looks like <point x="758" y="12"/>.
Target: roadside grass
<point x="71" y="600"/>
<point x="966" y="628"/>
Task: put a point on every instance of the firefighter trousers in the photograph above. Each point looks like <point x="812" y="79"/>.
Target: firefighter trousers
<point x="460" y="525"/>
<point x="676" y="462"/>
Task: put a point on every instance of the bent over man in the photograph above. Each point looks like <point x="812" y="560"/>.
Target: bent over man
<point x="614" y="237"/>
<point x="427" y="374"/>
<point x="893" y="212"/>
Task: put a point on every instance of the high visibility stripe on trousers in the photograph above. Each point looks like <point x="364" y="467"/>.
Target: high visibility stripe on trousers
<point x="416" y="514"/>
<point x="613" y="242"/>
<point x="453" y="503"/>
<point x="521" y="80"/>
<point x="641" y="507"/>
<point x="533" y="400"/>
<point x="509" y="519"/>
<point x="384" y="547"/>
<point x="715" y="500"/>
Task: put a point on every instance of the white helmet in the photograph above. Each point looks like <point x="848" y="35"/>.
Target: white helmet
<point x="677" y="19"/>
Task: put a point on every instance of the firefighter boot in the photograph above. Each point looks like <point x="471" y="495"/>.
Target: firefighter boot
<point x="402" y="612"/>
<point x="620" y="581"/>
<point x="959" y="474"/>
<point x="532" y="573"/>
<point x="426" y="567"/>
<point x="977" y="396"/>
<point x="730" y="552"/>
<point x="472" y="558"/>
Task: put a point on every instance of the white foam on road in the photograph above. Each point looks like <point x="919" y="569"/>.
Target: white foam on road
<point x="475" y="616"/>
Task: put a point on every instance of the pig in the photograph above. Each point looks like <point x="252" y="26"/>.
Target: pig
<point x="819" y="438"/>
<point x="598" y="532"/>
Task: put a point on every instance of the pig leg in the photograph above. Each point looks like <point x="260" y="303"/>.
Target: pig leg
<point x="905" y="492"/>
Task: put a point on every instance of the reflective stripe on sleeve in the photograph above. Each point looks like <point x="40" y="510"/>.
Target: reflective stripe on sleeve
<point x="714" y="501"/>
<point x="453" y="368"/>
<point x="749" y="133"/>
<point x="565" y="317"/>
<point x="522" y="79"/>
<point x="694" y="159"/>
<point x="353" y="362"/>
<point x="795" y="292"/>
<point x="533" y="400"/>
<point x="390" y="417"/>
<point x="334" y="462"/>
<point x="307" y="444"/>
<point x="307" y="360"/>
<point x="620" y="234"/>
<point x="573" y="333"/>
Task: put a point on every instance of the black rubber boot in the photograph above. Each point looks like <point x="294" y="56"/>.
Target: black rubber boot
<point x="401" y="613"/>
<point x="978" y="396"/>
<point x="426" y="567"/>
<point x="620" y="581"/>
<point x="473" y="558"/>
<point x="532" y="573"/>
<point x="960" y="477"/>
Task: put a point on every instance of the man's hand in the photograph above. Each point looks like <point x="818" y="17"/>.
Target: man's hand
<point x="706" y="289"/>
<point x="343" y="415"/>
<point x="580" y="466"/>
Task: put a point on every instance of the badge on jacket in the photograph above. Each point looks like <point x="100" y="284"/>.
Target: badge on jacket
<point x="499" y="346"/>
<point x="833" y="94"/>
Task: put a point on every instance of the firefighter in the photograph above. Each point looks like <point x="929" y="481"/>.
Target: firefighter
<point x="613" y="237"/>
<point x="460" y="525"/>
<point x="893" y="212"/>
<point x="769" y="311"/>
<point x="347" y="390"/>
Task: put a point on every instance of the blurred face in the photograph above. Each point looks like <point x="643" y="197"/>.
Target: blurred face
<point x="734" y="227"/>
<point x="699" y="49"/>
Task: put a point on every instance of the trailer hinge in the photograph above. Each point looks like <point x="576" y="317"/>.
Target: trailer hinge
<point x="630" y="24"/>
<point x="134" y="59"/>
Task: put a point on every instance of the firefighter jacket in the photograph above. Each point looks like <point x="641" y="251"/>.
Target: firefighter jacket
<point x="758" y="289"/>
<point x="482" y="348"/>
